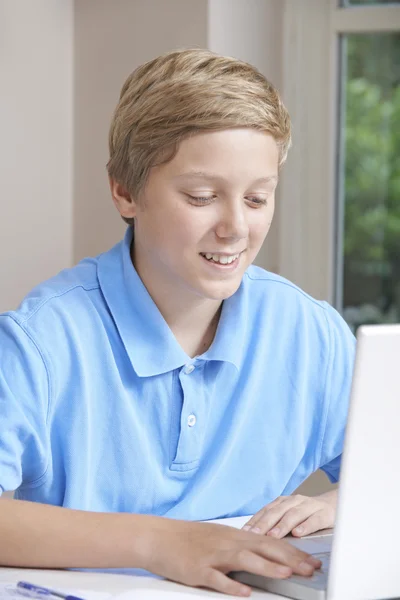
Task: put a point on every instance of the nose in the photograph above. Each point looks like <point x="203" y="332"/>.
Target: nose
<point x="233" y="223"/>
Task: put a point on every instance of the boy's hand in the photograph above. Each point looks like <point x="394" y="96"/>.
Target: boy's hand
<point x="298" y="515"/>
<point x="201" y="555"/>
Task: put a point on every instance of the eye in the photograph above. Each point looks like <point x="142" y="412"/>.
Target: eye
<point x="256" y="202"/>
<point x="200" y="200"/>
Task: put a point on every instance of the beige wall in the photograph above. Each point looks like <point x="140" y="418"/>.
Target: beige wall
<point x="35" y="143"/>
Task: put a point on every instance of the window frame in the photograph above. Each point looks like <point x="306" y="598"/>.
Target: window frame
<point x="311" y="199"/>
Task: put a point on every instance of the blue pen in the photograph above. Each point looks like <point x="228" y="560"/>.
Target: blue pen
<point x="36" y="591"/>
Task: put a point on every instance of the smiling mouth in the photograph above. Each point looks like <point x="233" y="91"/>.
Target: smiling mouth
<point x="220" y="259"/>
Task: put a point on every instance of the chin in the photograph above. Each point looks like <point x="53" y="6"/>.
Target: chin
<point x="221" y="292"/>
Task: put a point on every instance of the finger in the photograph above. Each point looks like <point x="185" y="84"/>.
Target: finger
<point x="260" y="514"/>
<point x="291" y="519"/>
<point x="222" y="583"/>
<point x="254" y="562"/>
<point x="319" y="520"/>
<point x="284" y="553"/>
<point x="272" y="516"/>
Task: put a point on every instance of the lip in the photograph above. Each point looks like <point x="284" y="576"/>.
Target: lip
<point x="224" y="253"/>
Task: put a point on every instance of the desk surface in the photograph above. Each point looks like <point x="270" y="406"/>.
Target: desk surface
<point x="137" y="586"/>
<point x="132" y="582"/>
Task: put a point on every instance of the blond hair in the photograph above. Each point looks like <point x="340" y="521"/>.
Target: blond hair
<point x="182" y="93"/>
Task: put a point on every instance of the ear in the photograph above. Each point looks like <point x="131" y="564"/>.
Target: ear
<point x="124" y="202"/>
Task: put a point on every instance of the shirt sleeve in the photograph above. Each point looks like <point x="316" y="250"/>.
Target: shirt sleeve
<point x="24" y="393"/>
<point x="338" y="387"/>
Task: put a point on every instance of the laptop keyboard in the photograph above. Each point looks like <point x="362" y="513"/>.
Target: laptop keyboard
<point x="320" y="578"/>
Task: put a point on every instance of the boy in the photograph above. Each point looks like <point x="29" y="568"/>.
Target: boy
<point x="168" y="377"/>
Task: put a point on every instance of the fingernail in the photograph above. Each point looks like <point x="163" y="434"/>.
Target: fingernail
<point x="314" y="561"/>
<point x="298" y="529"/>
<point x="275" y="531"/>
<point x="306" y="568"/>
<point x="256" y="530"/>
<point x="246" y="527"/>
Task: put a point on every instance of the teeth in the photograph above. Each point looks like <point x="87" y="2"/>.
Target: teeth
<point x="223" y="260"/>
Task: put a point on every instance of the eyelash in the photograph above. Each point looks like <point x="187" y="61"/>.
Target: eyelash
<point x="203" y="200"/>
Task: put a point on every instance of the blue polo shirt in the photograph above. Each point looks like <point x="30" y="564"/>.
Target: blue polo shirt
<point x="102" y="410"/>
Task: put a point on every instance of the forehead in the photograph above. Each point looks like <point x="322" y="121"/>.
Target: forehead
<point x="233" y="154"/>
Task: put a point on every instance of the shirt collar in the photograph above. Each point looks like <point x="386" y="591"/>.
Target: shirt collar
<point x="149" y="342"/>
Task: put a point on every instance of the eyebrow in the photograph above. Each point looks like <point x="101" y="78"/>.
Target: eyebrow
<point x="215" y="177"/>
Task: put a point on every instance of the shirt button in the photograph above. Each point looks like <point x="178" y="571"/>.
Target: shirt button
<point x="189" y="369"/>
<point x="191" y="420"/>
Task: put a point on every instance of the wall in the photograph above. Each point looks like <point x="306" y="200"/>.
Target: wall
<point x="36" y="48"/>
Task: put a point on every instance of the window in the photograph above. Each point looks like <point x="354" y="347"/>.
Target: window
<point x="339" y="197"/>
<point x="368" y="190"/>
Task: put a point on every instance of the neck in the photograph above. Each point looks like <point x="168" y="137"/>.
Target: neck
<point x="192" y="319"/>
<point x="195" y="327"/>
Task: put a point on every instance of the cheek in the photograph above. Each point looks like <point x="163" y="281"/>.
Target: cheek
<point x="258" y="237"/>
<point x="176" y="237"/>
<point x="262" y="224"/>
<point x="193" y="227"/>
<point x="160" y="225"/>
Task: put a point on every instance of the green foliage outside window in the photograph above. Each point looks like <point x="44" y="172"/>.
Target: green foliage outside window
<point x="371" y="275"/>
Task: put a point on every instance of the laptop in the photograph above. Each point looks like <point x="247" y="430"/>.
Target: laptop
<point x="361" y="560"/>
